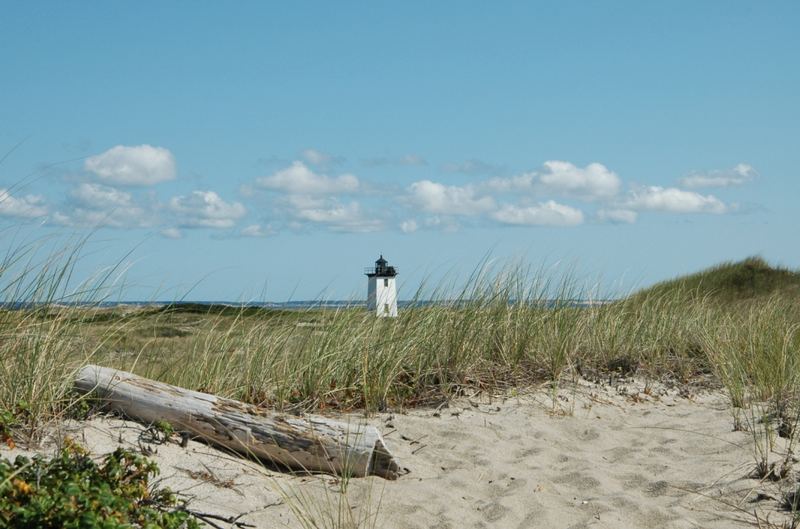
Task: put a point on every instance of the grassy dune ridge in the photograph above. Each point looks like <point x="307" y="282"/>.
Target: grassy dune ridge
<point x="750" y="279"/>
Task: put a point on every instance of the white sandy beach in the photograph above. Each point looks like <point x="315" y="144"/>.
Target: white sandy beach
<point x="603" y="457"/>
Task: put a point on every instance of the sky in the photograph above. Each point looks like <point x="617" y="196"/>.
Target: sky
<point x="271" y="150"/>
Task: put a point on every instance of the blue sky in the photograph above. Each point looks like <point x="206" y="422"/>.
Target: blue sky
<point x="265" y="150"/>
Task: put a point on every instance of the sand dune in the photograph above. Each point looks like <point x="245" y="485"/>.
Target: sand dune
<point x="604" y="456"/>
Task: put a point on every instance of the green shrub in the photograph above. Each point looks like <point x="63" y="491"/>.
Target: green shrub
<point x="72" y="491"/>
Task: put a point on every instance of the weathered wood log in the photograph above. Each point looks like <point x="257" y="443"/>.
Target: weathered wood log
<point x="311" y="443"/>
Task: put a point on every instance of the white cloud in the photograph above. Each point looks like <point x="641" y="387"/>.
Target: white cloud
<point x="299" y="179"/>
<point x="618" y="215"/>
<point x="409" y="226"/>
<point x="141" y="165"/>
<point x="740" y="174"/>
<point x="206" y="209"/>
<point x="171" y="233"/>
<point x="593" y="182"/>
<point x="448" y="200"/>
<point x="674" y="200"/>
<point x="97" y="205"/>
<point x="257" y="230"/>
<point x="98" y="196"/>
<point x="329" y="211"/>
<point x="28" y="206"/>
<point x="548" y="213"/>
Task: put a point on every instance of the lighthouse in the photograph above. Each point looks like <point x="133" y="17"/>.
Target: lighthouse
<point x="381" y="289"/>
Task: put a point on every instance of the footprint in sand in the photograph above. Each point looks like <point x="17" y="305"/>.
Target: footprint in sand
<point x="625" y="504"/>
<point x="589" y="434"/>
<point x="633" y="481"/>
<point x="505" y="486"/>
<point x="621" y="453"/>
<point x="578" y="480"/>
<point x="535" y="517"/>
<point x="527" y="452"/>
<point x="481" y="462"/>
<point x="491" y="511"/>
<point x="656" y="489"/>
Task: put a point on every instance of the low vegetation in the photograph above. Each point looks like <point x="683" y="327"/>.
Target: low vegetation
<point x="72" y="490"/>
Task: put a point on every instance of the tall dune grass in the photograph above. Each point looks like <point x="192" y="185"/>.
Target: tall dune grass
<point x="487" y="341"/>
<point x="40" y="347"/>
<point x="507" y="326"/>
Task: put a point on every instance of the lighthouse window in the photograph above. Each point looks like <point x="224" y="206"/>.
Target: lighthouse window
<point x="385" y="282"/>
<point x="386" y="308"/>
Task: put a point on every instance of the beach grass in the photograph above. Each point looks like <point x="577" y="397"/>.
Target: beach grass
<point x="736" y="325"/>
<point x="505" y="327"/>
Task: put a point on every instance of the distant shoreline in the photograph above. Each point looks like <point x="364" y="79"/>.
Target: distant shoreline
<point x="283" y="305"/>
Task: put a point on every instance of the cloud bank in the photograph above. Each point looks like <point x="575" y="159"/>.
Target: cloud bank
<point x="557" y="194"/>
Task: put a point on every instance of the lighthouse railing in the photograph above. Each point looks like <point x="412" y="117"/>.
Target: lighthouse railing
<point x="385" y="271"/>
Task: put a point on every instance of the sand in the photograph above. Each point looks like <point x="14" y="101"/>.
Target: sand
<point x="603" y="456"/>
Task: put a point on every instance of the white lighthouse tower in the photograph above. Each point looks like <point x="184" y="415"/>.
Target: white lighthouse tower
<point x="381" y="289"/>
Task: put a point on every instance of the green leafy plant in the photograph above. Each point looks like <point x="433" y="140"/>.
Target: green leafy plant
<point x="7" y="422"/>
<point x="161" y="431"/>
<point x="73" y="491"/>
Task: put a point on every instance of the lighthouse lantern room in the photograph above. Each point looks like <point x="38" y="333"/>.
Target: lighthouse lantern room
<point x="381" y="289"/>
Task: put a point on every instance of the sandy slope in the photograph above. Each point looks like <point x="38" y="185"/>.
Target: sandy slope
<point x="603" y="456"/>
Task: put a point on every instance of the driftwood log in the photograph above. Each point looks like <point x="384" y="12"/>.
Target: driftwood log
<point x="311" y="443"/>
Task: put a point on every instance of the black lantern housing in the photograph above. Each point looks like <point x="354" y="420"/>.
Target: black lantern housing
<point x="381" y="269"/>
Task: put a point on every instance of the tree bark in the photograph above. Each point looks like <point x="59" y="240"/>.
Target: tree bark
<point x="311" y="443"/>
